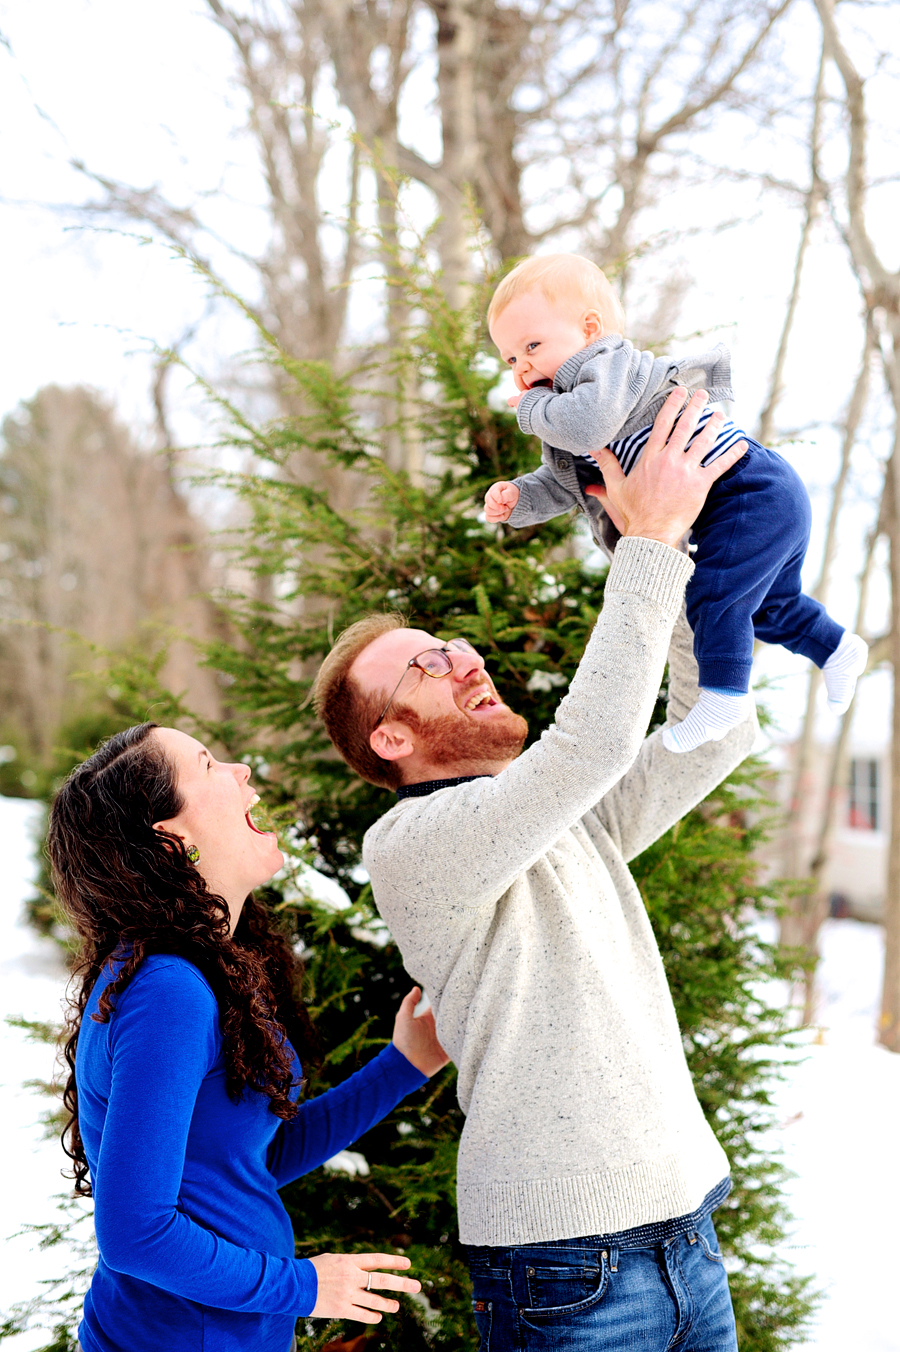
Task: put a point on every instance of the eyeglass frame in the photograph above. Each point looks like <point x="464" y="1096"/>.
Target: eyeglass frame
<point x="462" y="645"/>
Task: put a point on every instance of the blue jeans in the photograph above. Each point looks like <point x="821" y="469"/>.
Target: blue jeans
<point x="572" y="1296"/>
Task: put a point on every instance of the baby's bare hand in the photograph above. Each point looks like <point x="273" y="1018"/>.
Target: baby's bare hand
<point x="513" y="399"/>
<point x="499" y="501"/>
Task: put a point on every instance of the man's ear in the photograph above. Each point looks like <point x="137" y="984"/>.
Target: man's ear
<point x="392" y="741"/>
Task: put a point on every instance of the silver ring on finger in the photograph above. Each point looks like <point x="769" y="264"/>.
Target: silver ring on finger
<point x="369" y="1282"/>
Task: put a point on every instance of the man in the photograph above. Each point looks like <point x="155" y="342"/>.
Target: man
<point x="586" y="1172"/>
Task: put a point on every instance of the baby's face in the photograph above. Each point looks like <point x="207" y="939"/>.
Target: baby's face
<point x="535" y="336"/>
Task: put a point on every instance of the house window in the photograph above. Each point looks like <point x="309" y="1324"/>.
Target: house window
<point x="864" y="808"/>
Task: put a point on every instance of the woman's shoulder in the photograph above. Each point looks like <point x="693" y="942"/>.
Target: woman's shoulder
<point x="176" y="973"/>
<point x="165" y="984"/>
<point x="169" y="1001"/>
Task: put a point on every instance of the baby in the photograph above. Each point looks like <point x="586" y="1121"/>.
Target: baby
<point x="557" y="322"/>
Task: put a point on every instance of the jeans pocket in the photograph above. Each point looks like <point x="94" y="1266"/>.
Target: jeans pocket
<point x="560" y="1288"/>
<point x="710" y="1252"/>
<point x="483" y="1311"/>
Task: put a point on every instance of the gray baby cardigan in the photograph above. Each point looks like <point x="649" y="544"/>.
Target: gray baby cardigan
<point x="512" y="904"/>
<point x="607" y="390"/>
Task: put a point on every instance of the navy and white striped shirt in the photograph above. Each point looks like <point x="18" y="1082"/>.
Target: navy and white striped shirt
<point x="628" y="450"/>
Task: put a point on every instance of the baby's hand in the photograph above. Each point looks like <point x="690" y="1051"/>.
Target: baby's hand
<point x="499" y="501"/>
<point x="513" y="399"/>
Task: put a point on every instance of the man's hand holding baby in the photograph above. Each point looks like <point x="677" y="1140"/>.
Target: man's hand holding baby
<point x="499" y="501"/>
<point x="666" y="490"/>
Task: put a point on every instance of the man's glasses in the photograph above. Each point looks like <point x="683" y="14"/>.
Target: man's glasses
<point x="433" y="662"/>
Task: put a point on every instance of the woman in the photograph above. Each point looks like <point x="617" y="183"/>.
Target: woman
<point x="183" y="1040"/>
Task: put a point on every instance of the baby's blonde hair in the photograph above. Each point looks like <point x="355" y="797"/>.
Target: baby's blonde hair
<point x="561" y="277"/>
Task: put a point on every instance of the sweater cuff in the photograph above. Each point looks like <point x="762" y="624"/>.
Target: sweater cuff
<point x="523" y="512"/>
<point x="309" y="1286"/>
<point x="401" y="1070"/>
<point x="651" y="569"/>
<point x="526" y="405"/>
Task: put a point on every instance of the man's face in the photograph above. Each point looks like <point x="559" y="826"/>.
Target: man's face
<point x="457" y="722"/>
<point x="535" y="337"/>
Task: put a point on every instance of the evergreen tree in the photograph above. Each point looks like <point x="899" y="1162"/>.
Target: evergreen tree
<point x="527" y="600"/>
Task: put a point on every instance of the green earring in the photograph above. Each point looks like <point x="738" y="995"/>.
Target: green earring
<point x="193" y="854"/>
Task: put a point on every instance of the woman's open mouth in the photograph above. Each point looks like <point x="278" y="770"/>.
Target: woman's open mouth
<point x="249" y="820"/>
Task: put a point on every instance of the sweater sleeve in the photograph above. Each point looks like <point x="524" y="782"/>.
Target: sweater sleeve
<point x="661" y="786"/>
<point x="607" y="389"/>
<point x="162" y="1044"/>
<point x="465" y="846"/>
<point x="336" y="1119"/>
<point x="541" y="497"/>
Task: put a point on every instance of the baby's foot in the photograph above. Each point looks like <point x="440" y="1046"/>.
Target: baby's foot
<point x="711" y="718"/>
<point x="843" y="669"/>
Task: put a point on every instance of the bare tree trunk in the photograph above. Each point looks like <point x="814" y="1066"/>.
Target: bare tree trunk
<point x="817" y="899"/>
<point x="457" y="46"/>
<point x="813" y="205"/>
<point x="881" y="291"/>
<point x="889" y="1022"/>
<point x="795" y="930"/>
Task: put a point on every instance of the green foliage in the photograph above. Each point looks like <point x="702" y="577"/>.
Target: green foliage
<point x="527" y="599"/>
<point x="700" y="884"/>
<point x="57" y="1308"/>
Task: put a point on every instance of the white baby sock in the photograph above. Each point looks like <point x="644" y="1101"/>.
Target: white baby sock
<point x="711" y="718"/>
<point x="842" y="670"/>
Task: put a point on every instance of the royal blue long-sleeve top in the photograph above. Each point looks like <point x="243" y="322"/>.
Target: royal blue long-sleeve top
<point x="196" y="1247"/>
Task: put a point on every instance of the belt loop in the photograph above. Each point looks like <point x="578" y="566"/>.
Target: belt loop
<point x="613" y="1259"/>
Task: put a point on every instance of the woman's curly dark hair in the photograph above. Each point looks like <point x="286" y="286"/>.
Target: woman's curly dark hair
<point x="129" y="891"/>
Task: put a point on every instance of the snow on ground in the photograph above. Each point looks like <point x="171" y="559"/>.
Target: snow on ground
<point x="32" y="979"/>
<point x="839" y="1109"/>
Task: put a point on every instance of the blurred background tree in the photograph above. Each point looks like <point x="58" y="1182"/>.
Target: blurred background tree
<point x="98" y="542"/>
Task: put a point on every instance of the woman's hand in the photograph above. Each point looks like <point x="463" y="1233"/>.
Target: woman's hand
<point x="416" y="1038"/>
<point x="342" y="1285"/>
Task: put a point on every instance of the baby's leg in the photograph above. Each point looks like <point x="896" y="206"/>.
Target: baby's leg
<point x="755" y="518"/>
<point x="804" y="626"/>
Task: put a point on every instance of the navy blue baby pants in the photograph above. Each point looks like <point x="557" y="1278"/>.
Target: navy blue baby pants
<point x="751" y="539"/>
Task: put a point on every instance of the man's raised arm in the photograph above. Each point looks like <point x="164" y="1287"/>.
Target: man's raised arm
<point x="660" y="787"/>
<point x="469" y="846"/>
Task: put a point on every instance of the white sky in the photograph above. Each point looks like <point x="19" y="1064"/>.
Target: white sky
<point x="146" y="95"/>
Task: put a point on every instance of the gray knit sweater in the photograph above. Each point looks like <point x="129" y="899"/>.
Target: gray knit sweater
<point x="607" y="390"/>
<point x="512" y="904"/>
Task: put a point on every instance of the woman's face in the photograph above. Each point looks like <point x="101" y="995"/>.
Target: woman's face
<point x="235" y="857"/>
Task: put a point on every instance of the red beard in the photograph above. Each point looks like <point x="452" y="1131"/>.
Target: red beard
<point x="454" y="741"/>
